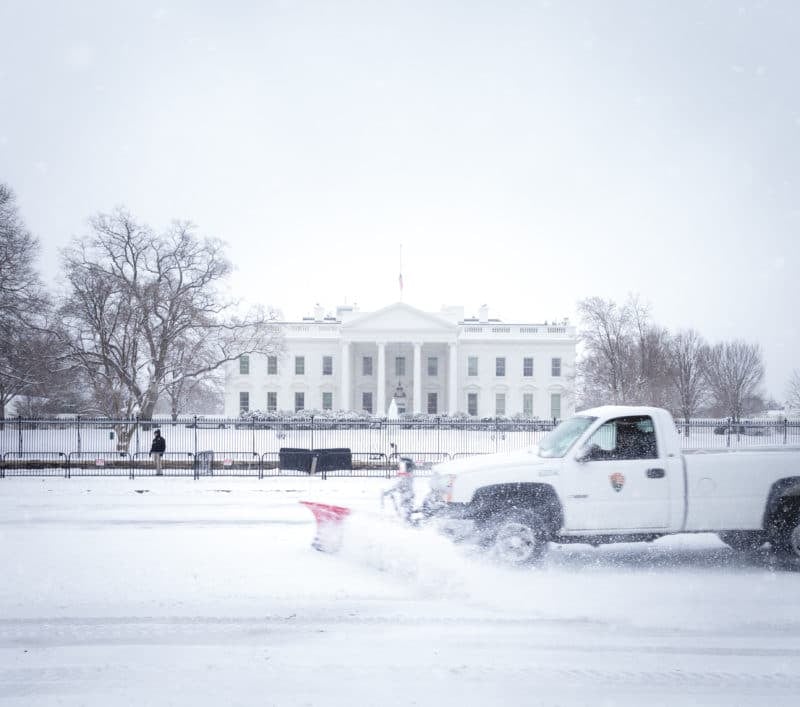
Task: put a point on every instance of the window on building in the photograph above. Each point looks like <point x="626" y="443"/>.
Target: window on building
<point x="555" y="406"/>
<point x="244" y="402"/>
<point x="500" y="366"/>
<point x="527" y="366"/>
<point x="555" y="368"/>
<point x="300" y="365"/>
<point x="244" y="365"/>
<point x="433" y="366"/>
<point x="327" y="365"/>
<point x="472" y="404"/>
<point x="272" y="401"/>
<point x="366" y="366"/>
<point x="327" y="400"/>
<point x="366" y="402"/>
<point x="500" y="404"/>
<point x="272" y="365"/>
<point x="433" y="403"/>
<point x="400" y="366"/>
<point x="299" y="401"/>
<point x="527" y="404"/>
<point x="472" y="366"/>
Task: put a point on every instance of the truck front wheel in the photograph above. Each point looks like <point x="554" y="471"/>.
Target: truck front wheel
<point x="519" y="538"/>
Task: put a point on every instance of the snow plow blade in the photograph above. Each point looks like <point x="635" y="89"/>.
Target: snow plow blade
<point x="329" y="525"/>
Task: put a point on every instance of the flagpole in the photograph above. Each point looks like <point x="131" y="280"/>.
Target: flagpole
<point x="400" y="278"/>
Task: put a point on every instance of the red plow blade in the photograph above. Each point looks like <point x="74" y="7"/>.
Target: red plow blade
<point x="329" y="525"/>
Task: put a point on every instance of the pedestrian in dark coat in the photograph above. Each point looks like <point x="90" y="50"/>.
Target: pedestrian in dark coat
<point x="157" y="450"/>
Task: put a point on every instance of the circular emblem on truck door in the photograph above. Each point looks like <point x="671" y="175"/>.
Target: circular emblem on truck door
<point x="617" y="481"/>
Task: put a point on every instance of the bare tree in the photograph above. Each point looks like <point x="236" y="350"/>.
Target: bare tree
<point x="54" y="386"/>
<point x="733" y="371"/>
<point x="23" y="304"/>
<point x="626" y="356"/>
<point x="793" y="390"/>
<point x="181" y="389"/>
<point x="136" y="298"/>
<point x="604" y="371"/>
<point x="688" y="352"/>
<point x="650" y="349"/>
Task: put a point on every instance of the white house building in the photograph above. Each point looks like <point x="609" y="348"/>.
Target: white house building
<point x="438" y="363"/>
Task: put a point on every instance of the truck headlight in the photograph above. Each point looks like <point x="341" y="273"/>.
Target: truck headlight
<point x="443" y="485"/>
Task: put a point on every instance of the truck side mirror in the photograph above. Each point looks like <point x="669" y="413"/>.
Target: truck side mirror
<point x="587" y="454"/>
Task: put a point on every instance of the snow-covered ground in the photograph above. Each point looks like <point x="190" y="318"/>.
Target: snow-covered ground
<point x="171" y="591"/>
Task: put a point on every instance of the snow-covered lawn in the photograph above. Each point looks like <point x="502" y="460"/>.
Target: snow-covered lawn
<point x="172" y="591"/>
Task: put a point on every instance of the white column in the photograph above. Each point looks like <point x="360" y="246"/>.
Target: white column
<point x="452" y="372"/>
<point x="344" y="395"/>
<point x="380" y="409"/>
<point x="417" y="377"/>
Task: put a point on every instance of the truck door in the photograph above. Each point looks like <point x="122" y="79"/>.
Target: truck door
<point x="616" y="481"/>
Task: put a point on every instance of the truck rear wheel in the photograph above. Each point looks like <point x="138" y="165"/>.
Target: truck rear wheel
<point x="788" y="539"/>
<point x="519" y="538"/>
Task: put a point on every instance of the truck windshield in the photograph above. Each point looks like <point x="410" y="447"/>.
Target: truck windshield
<point x="558" y="442"/>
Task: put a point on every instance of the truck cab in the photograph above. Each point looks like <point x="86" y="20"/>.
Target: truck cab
<point x="624" y="474"/>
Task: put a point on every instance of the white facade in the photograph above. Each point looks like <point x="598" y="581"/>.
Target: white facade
<point x="429" y="363"/>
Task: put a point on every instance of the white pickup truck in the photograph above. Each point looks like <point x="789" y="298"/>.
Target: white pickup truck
<point x="617" y="474"/>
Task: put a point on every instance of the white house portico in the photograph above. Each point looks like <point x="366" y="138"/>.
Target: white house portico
<point x="427" y="362"/>
<point x="399" y="338"/>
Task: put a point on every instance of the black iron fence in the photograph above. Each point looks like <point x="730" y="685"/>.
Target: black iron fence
<point x="199" y="447"/>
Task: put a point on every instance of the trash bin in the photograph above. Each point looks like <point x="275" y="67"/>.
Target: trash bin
<point x="293" y="458"/>
<point x="333" y="459"/>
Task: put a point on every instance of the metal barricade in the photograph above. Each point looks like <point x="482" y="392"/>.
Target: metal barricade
<point x="423" y="461"/>
<point x="34" y="464"/>
<point x="172" y="464"/>
<point x="216" y="463"/>
<point x="271" y="466"/>
<point x="371" y="464"/>
<point x="99" y="464"/>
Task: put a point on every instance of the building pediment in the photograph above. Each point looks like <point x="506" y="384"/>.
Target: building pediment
<point x="399" y="318"/>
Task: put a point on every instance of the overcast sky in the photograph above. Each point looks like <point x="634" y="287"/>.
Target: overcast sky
<point x="525" y="154"/>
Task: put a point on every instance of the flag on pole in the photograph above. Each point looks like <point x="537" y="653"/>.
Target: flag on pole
<point x="400" y="278"/>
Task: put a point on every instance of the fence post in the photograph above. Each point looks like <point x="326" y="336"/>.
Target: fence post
<point x="136" y="432"/>
<point x="78" y="428"/>
<point x="496" y="434"/>
<point x="312" y="432"/>
<point x="728" y="435"/>
<point x="785" y="428"/>
<point x="253" y="433"/>
<point x="195" y="436"/>
<point x="19" y="432"/>
<point x="383" y="435"/>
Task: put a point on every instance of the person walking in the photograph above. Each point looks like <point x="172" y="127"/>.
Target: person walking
<point x="157" y="450"/>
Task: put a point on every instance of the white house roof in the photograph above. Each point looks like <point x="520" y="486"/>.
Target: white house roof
<point x="399" y="318"/>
